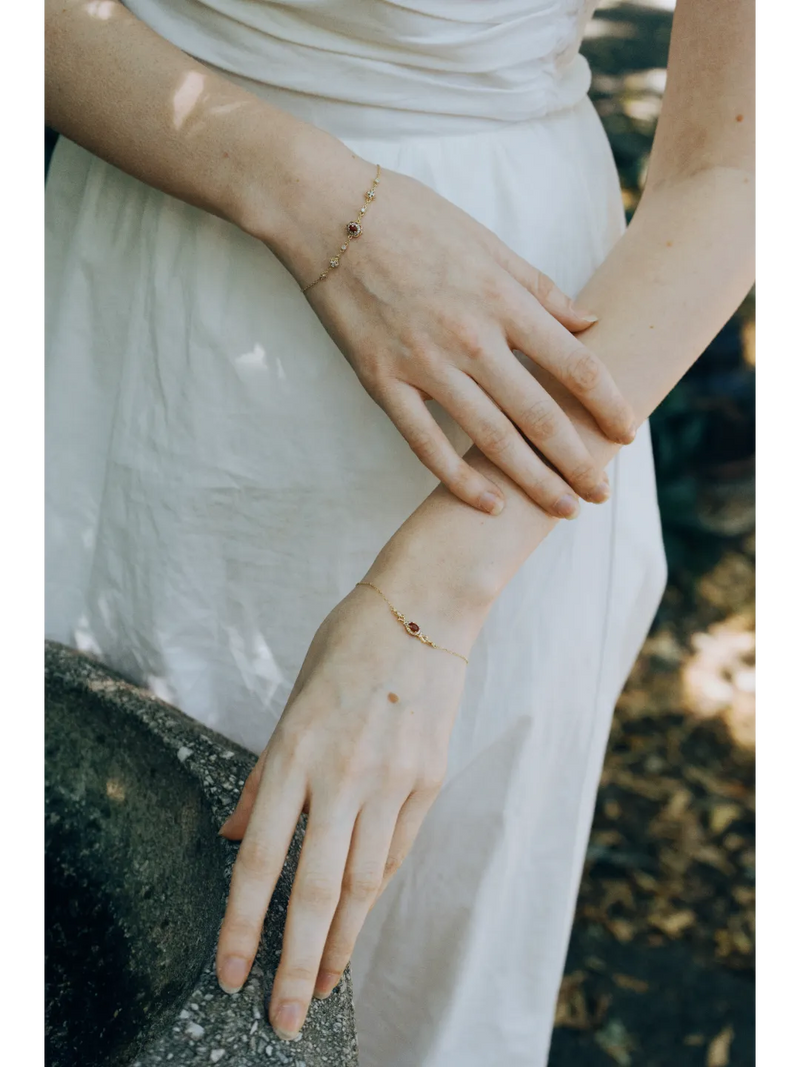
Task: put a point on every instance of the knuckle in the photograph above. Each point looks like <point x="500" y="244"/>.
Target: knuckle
<point x="468" y="335"/>
<point x="316" y="892"/>
<point x="421" y="443"/>
<point x="239" y="933"/>
<point x="430" y="784"/>
<point x="300" y="971"/>
<point x="290" y="743"/>
<point x="432" y="778"/>
<point x="361" y="886"/>
<point x="543" y="286"/>
<point x="583" y="371"/>
<point x="463" y="480"/>
<point x="540" y="421"/>
<point x="541" y="491"/>
<point x="497" y="440"/>
<point x="422" y="353"/>
<point x="583" y="472"/>
<point x="393" y="865"/>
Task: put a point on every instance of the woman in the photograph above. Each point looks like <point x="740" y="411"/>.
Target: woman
<point x="219" y="481"/>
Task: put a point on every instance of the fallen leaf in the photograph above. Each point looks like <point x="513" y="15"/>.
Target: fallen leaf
<point x="733" y="842"/>
<point x="621" y="929"/>
<point x="627" y="981"/>
<point x="748" y="858"/>
<point x="571" y="1011"/>
<point x="679" y="802"/>
<point x="722" y="815"/>
<point x="714" y="784"/>
<point x="674" y="923"/>
<point x="743" y="895"/>
<point x="607" y="838"/>
<point x="720" y="1048"/>
<point x="646" y="881"/>
<point x="714" y="857"/>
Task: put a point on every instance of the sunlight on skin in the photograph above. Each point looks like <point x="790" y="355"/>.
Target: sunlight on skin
<point x="101" y="9"/>
<point x="187" y="96"/>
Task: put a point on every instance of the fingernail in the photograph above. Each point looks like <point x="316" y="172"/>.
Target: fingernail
<point x="491" y="502"/>
<point x="584" y="316"/>
<point x="600" y="493"/>
<point x="326" y="983"/>
<point x="567" y="507"/>
<point x="630" y="434"/>
<point x="288" y="1020"/>
<point x="224" y="827"/>
<point x="232" y="973"/>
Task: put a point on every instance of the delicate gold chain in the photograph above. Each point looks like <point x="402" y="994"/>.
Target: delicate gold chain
<point x="411" y="627"/>
<point x="352" y="230"/>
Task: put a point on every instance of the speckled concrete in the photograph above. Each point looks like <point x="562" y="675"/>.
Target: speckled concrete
<point x="137" y="881"/>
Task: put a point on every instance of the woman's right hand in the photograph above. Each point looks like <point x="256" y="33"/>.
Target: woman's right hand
<point x="428" y="304"/>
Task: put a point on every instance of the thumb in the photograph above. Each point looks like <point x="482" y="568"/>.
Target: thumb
<point x="235" y="825"/>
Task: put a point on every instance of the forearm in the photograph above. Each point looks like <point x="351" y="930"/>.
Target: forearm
<point x="666" y="289"/>
<point x="126" y="94"/>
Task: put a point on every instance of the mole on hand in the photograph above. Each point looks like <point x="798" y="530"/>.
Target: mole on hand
<point x="393" y="698"/>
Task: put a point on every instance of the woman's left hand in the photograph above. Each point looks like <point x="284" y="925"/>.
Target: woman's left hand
<point x="362" y="747"/>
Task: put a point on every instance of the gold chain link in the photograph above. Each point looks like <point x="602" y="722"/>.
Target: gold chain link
<point x="412" y="628"/>
<point x="352" y="230"/>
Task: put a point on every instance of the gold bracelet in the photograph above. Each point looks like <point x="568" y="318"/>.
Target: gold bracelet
<point x="352" y="229"/>
<point x="412" y="628"/>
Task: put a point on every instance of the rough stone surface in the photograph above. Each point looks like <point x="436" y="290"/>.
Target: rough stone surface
<point x="136" y="887"/>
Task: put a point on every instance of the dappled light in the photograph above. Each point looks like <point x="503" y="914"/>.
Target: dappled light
<point x="101" y="9"/>
<point x="187" y="96"/>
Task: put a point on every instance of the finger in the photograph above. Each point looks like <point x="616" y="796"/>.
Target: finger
<point x="366" y="864"/>
<point x="312" y="905"/>
<point x="538" y="416"/>
<point x="549" y="344"/>
<point x="235" y="825"/>
<point x="540" y="285"/>
<point x="500" y="442"/>
<point x="412" y="814"/>
<point x="273" y="821"/>
<point x="407" y="410"/>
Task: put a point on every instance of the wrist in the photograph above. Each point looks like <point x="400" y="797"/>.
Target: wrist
<point x="448" y="603"/>
<point x="296" y="190"/>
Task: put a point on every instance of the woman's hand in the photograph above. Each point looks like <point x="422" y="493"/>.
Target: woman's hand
<point x="362" y="747"/>
<point x="428" y="304"/>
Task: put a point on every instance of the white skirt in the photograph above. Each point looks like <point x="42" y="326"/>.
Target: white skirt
<point x="217" y="480"/>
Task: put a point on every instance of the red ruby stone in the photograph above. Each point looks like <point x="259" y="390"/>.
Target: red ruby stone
<point x="353" y="228"/>
<point x="413" y="627"/>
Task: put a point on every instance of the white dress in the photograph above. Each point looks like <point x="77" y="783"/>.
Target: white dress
<point x="217" y="478"/>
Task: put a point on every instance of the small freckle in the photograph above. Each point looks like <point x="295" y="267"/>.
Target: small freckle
<point x="224" y="155"/>
<point x="652" y="327"/>
<point x="669" y="244"/>
<point x="739" y="118"/>
<point x="393" y="698"/>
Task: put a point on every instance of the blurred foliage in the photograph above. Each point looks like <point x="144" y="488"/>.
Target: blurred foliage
<point x="661" y="961"/>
